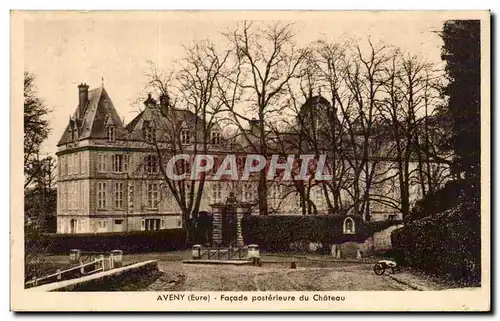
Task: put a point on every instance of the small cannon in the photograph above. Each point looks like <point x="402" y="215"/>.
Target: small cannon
<point x="382" y="265"/>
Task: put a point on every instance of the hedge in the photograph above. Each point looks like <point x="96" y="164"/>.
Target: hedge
<point x="277" y="232"/>
<point x="446" y="244"/>
<point x="128" y="242"/>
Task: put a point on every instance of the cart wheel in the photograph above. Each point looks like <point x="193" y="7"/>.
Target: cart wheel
<point x="378" y="269"/>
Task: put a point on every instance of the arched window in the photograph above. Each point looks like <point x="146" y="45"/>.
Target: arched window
<point x="349" y="227"/>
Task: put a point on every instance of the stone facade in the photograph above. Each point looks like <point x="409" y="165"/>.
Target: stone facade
<point x="106" y="185"/>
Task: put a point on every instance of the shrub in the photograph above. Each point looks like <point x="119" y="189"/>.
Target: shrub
<point x="447" y="244"/>
<point x="277" y="232"/>
<point x="441" y="200"/>
<point x="128" y="242"/>
<point x="36" y="246"/>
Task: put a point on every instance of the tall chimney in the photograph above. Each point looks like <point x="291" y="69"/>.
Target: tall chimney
<point x="150" y="102"/>
<point x="83" y="97"/>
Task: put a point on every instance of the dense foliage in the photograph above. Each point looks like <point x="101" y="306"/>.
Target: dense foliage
<point x="128" y="242"/>
<point x="277" y="232"/>
<point x="462" y="52"/>
<point x="445" y="236"/>
<point x="441" y="200"/>
<point x="446" y="244"/>
<point x="36" y="129"/>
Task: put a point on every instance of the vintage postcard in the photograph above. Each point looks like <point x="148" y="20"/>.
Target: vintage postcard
<point x="250" y="161"/>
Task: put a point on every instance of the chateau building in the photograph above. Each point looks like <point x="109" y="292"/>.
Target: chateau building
<point x="110" y="178"/>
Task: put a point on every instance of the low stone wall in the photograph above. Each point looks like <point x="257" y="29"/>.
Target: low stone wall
<point x="111" y="280"/>
<point x="379" y="241"/>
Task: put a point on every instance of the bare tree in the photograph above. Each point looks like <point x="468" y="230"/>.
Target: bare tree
<point x="410" y="93"/>
<point x="266" y="60"/>
<point x="196" y="106"/>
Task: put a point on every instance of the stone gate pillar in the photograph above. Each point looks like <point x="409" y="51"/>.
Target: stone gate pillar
<point x="217" y="224"/>
<point x="239" y="216"/>
<point x="241" y="211"/>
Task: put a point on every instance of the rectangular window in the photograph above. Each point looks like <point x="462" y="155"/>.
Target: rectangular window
<point x="74" y="169"/>
<point x="63" y="196"/>
<point x="318" y="196"/>
<point x="65" y="165"/>
<point x="153" y="195"/>
<point x="80" y="194"/>
<point x="125" y="163"/>
<point x="216" y="193"/>
<point x="298" y="200"/>
<point x="151" y="164"/>
<point x="101" y="163"/>
<point x="119" y="195"/>
<point x="117" y="163"/>
<point x="248" y="193"/>
<point x="276" y="194"/>
<point x="102" y="160"/>
<point x="152" y="224"/>
<point x="185" y="136"/>
<point x="70" y="164"/>
<point x="111" y="134"/>
<point x="102" y="225"/>
<point x="78" y="165"/>
<point x="73" y="195"/>
<point x="215" y="137"/>
<point x="143" y="225"/>
<point x="130" y="196"/>
<point x="59" y="167"/>
<point x="70" y="195"/>
<point x="162" y="224"/>
<point x="101" y="195"/>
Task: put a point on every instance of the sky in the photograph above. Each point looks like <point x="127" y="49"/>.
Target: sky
<point x="64" y="49"/>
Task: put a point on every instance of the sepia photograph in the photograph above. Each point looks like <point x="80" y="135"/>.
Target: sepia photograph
<point x="250" y="160"/>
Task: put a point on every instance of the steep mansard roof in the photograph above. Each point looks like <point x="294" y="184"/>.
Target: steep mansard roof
<point x="94" y="118"/>
<point x="164" y="121"/>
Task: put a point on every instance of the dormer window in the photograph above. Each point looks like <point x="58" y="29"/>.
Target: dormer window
<point x="349" y="227"/>
<point x="73" y="129"/>
<point x="150" y="134"/>
<point x="111" y="133"/>
<point x="185" y="137"/>
<point x="215" y="137"/>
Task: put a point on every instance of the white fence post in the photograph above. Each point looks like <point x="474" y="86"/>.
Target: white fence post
<point x="117" y="258"/>
<point x="103" y="264"/>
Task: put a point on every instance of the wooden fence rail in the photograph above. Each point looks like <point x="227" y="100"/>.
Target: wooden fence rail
<point x="97" y="265"/>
